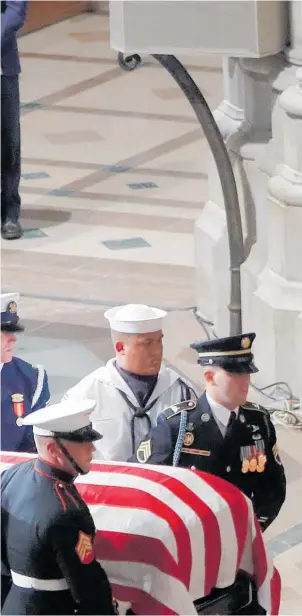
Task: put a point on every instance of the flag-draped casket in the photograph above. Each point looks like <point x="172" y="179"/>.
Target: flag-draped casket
<point x="167" y="536"/>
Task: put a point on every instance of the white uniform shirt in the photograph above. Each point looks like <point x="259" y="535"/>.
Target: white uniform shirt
<point x="112" y="415"/>
<point x="221" y="414"/>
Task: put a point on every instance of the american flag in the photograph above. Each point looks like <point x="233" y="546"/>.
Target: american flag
<point x="167" y="536"/>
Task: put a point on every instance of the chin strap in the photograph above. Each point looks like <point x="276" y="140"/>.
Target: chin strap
<point x="69" y="457"/>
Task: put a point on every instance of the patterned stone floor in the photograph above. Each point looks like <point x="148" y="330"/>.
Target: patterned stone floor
<point x="114" y="175"/>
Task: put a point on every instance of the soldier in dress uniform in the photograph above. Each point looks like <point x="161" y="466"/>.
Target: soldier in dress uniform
<point x="221" y="433"/>
<point x="47" y="529"/>
<point x="134" y="387"/>
<point x="24" y="387"/>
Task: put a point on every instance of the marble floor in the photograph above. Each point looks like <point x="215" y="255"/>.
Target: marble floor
<point x="114" y="175"/>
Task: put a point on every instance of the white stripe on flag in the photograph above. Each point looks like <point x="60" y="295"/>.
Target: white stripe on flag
<point x="164" y="588"/>
<point x="222" y="512"/>
<point x="140" y="521"/>
<point x="164" y="495"/>
<point x="246" y="562"/>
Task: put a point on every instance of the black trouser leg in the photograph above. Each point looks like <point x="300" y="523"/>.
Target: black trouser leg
<point x="10" y="148"/>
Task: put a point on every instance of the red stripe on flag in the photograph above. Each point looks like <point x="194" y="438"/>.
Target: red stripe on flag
<point x="238" y="507"/>
<point x="212" y="541"/>
<point x="259" y="557"/>
<point x="122" y="547"/>
<point x="271" y="583"/>
<point x="12" y="459"/>
<point x="261" y="572"/>
<point x="275" y="593"/>
<point x="208" y="519"/>
<point x="119" y="496"/>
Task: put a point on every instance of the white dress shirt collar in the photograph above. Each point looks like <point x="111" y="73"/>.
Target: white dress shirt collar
<point x="220" y="412"/>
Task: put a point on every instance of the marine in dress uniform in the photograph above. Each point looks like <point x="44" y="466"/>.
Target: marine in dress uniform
<point x="24" y="387"/>
<point x="134" y="387"/>
<point x="47" y="529"/>
<point x="236" y="442"/>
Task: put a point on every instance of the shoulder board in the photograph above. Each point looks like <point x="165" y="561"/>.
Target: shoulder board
<point x="171" y="411"/>
<point x="252" y="406"/>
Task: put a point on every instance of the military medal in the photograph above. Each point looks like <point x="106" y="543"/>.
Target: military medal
<point x="18" y="404"/>
<point x="188" y="439"/>
<point x="253" y="465"/>
<point x="253" y="457"/>
<point x="244" y="456"/>
<point x="262" y="459"/>
<point x="245" y="466"/>
<point x="261" y="463"/>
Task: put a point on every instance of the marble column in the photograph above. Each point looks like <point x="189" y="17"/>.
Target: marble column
<point x="277" y="302"/>
<point x="244" y="119"/>
<point x="271" y="282"/>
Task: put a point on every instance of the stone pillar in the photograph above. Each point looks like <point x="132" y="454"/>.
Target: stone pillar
<point x="260" y="155"/>
<point x="277" y="302"/>
<point x="244" y="119"/>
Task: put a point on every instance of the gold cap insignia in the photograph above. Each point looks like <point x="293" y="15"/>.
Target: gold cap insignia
<point x="246" y="342"/>
<point x="144" y="452"/>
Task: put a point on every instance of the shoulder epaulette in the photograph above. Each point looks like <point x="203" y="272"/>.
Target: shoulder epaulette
<point x="252" y="406"/>
<point x="171" y="411"/>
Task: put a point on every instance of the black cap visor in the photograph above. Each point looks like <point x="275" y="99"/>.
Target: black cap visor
<point x="244" y="368"/>
<point x="238" y="365"/>
<point x="84" y="435"/>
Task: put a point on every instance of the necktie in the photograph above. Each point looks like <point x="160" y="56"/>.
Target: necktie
<point x="230" y="425"/>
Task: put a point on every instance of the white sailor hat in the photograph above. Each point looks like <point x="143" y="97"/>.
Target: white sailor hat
<point x="9" y="317"/>
<point x="69" y="420"/>
<point x="135" y="319"/>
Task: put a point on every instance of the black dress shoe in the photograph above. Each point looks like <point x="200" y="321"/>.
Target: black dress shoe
<point x="11" y="230"/>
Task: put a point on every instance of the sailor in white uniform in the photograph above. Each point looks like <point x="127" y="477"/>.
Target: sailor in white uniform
<point x="134" y="387"/>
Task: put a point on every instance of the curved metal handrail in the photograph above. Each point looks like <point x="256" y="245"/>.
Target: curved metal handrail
<point x="226" y="175"/>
